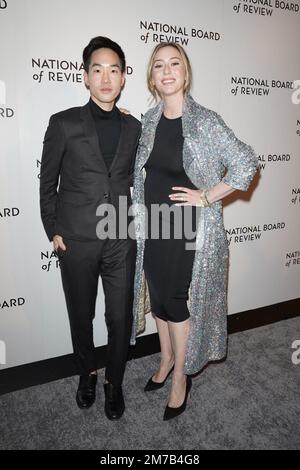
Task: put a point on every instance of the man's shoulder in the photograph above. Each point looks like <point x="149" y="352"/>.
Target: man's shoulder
<point x="132" y="121"/>
<point x="68" y="115"/>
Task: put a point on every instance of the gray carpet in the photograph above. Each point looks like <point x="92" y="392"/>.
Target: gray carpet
<point x="251" y="401"/>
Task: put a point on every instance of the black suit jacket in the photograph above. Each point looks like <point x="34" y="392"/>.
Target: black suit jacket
<point x="74" y="179"/>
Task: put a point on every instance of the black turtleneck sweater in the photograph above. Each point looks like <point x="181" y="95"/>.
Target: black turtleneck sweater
<point x="108" y="126"/>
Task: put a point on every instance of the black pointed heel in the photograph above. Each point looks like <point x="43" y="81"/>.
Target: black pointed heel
<point x="171" y="413"/>
<point x="151" y="386"/>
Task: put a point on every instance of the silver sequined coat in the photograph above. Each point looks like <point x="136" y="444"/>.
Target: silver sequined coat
<point x="210" y="148"/>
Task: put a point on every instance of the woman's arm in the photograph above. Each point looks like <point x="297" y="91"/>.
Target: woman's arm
<point x="219" y="191"/>
<point x="192" y="197"/>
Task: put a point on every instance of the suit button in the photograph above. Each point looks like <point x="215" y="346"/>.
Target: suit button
<point x="105" y="195"/>
<point x="109" y="174"/>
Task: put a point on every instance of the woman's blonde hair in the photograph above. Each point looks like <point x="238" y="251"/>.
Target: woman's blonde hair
<point x="186" y="62"/>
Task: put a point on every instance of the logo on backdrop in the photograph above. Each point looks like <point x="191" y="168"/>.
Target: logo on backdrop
<point x="57" y="70"/>
<point x="265" y="7"/>
<point x="38" y="165"/>
<point x="292" y="258"/>
<point x="49" y="260"/>
<point x="257" y="86"/>
<point x="295" y="196"/>
<point x="298" y="127"/>
<point x="156" y="32"/>
<point x="3" y="4"/>
<point x="273" y="158"/>
<point x="4" y="112"/>
<point x="9" y="212"/>
<point x="10" y="303"/>
<point x="250" y="233"/>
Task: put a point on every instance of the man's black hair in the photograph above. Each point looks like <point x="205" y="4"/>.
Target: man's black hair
<point x="100" y="42"/>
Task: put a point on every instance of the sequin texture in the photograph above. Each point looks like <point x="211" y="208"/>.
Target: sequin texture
<point x="210" y="148"/>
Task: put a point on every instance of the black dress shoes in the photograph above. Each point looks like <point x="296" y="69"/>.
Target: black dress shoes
<point x="171" y="413"/>
<point x="86" y="393"/>
<point x="151" y="385"/>
<point x="114" y="401"/>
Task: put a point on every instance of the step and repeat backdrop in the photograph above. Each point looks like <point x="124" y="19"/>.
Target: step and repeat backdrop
<point x="245" y="59"/>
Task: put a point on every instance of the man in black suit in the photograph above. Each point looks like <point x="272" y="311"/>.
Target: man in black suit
<point x="88" y="160"/>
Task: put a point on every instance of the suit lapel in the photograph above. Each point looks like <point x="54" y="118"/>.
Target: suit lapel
<point x="90" y="132"/>
<point x="190" y="131"/>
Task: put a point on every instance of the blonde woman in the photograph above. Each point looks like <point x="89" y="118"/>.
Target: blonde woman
<point x="183" y="153"/>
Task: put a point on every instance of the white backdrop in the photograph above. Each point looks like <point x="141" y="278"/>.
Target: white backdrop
<point x="245" y="58"/>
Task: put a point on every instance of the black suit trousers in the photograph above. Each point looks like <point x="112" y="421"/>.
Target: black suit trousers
<point x="81" y="265"/>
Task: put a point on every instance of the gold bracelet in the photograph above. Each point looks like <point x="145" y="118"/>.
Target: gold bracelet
<point x="205" y="196"/>
<point x="204" y="201"/>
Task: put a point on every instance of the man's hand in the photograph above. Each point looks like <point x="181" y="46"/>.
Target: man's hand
<point x="58" y="243"/>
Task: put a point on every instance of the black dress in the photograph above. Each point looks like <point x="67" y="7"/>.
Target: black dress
<point x="167" y="261"/>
